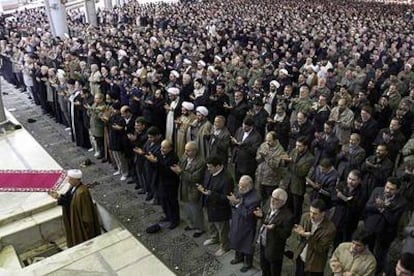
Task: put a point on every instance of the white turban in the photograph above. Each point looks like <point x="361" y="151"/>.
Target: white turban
<point x="75" y="173"/>
<point x="284" y="71"/>
<point x="122" y="53"/>
<point x="211" y="68"/>
<point x="218" y="57"/>
<point x="187" y="61"/>
<point x="173" y="91"/>
<point x="187" y="105"/>
<point x="275" y="83"/>
<point x="203" y="110"/>
<point x="202" y="63"/>
<point x="175" y="73"/>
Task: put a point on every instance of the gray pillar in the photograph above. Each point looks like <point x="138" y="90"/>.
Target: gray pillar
<point x="56" y="13"/>
<point x="91" y="12"/>
<point x="108" y="4"/>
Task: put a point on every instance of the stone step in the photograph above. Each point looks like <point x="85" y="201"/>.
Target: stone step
<point x="9" y="259"/>
<point x="33" y="230"/>
<point x="116" y="252"/>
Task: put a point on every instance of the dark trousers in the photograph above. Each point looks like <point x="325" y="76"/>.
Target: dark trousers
<point x="269" y="268"/>
<point x="379" y="244"/>
<point x="300" y="269"/>
<point x="139" y="172"/>
<point x="296" y="205"/>
<point x="168" y="197"/>
<point x="246" y="258"/>
<point x="238" y="174"/>
<point x="344" y="232"/>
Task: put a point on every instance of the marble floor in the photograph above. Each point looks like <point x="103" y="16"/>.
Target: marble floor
<point x="20" y="151"/>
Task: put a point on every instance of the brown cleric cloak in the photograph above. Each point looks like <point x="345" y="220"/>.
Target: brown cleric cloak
<point x="80" y="216"/>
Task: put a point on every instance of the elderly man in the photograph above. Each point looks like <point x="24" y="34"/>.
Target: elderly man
<point x="191" y="172"/>
<point x="168" y="183"/>
<point x="353" y="258"/>
<point x="277" y="224"/>
<point x="182" y="126"/>
<point x="80" y="216"/>
<point x="173" y="109"/>
<point x="219" y="140"/>
<point x="269" y="172"/>
<point x="243" y="222"/>
<point x="200" y="130"/>
<point x="343" y="117"/>
<point x="217" y="185"/>
<point x="316" y="234"/>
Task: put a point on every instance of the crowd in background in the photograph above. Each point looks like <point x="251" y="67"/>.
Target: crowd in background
<point x="299" y="103"/>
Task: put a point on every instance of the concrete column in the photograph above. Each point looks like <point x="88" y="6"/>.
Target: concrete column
<point x="56" y="13"/>
<point x="91" y="12"/>
<point x="118" y="3"/>
<point x="108" y="4"/>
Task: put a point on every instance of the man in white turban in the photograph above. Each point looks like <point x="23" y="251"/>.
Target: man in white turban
<point x="80" y="216"/>
<point x="182" y="125"/>
<point x="172" y="110"/>
<point x="200" y="130"/>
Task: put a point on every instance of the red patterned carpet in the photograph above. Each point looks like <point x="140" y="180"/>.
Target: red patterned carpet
<point x="30" y="181"/>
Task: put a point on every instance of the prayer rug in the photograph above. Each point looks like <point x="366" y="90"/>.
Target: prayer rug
<point x="30" y="180"/>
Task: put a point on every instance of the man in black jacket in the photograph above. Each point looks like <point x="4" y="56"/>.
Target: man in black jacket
<point x="217" y="185"/>
<point x="246" y="142"/>
<point x="168" y="183"/>
<point x="382" y="213"/>
<point x="276" y="228"/>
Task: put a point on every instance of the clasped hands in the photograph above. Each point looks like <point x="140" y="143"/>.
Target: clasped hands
<point x="203" y="190"/>
<point x="298" y="229"/>
<point x="233" y="199"/>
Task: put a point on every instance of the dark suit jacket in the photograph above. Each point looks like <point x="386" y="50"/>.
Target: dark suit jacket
<point x="217" y="204"/>
<point x="260" y="121"/>
<point x="325" y="148"/>
<point x="394" y="145"/>
<point x="167" y="178"/>
<point x="244" y="155"/>
<point x="277" y="236"/>
<point x="219" y="145"/>
<point x="236" y="116"/>
<point x="386" y="222"/>
<point x="368" y="132"/>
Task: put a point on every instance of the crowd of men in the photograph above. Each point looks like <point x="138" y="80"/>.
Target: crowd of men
<point x="299" y="103"/>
